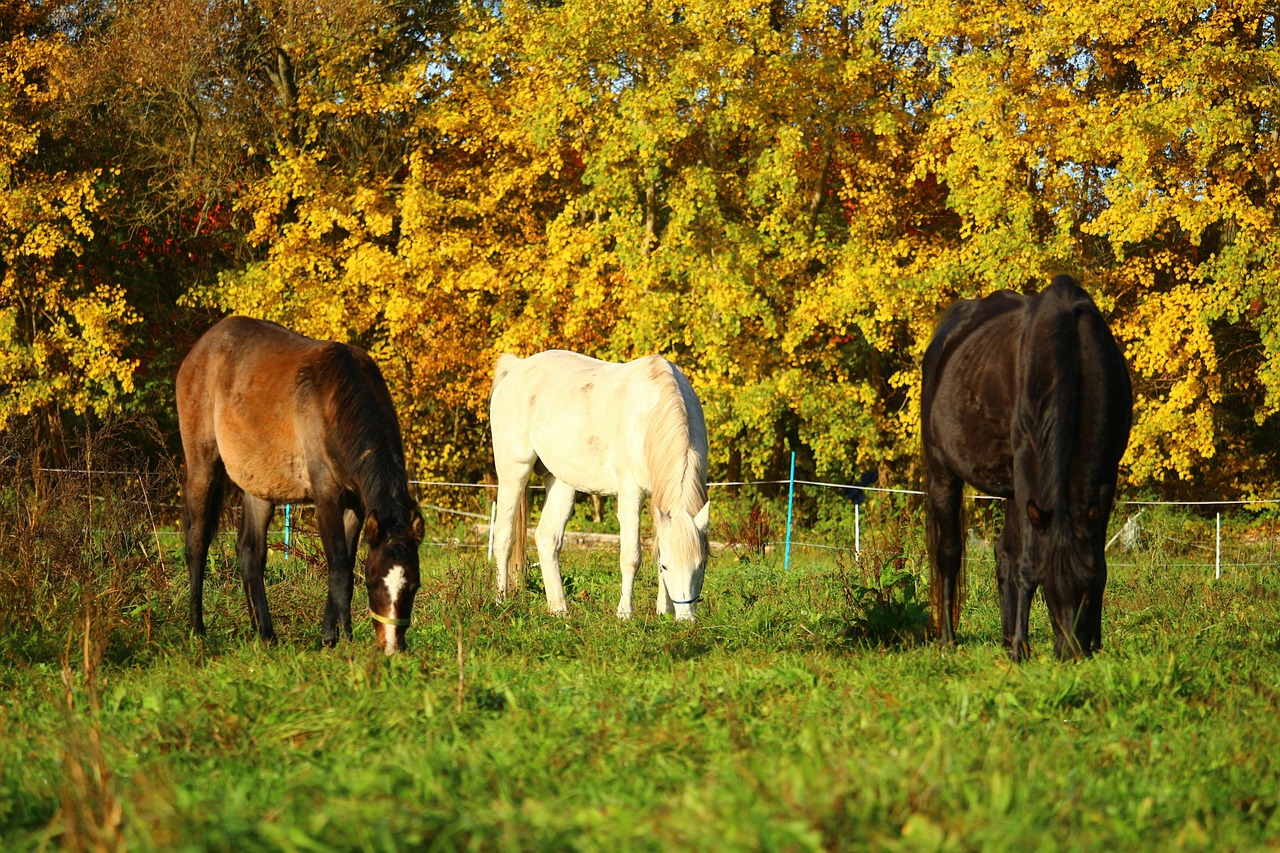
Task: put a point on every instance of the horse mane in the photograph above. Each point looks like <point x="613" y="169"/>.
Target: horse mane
<point x="677" y="467"/>
<point x="366" y="432"/>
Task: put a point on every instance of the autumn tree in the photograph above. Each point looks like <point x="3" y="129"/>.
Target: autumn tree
<point x="782" y="197"/>
<point x="63" y="323"/>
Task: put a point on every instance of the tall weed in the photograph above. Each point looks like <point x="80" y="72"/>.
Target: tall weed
<point x="83" y="536"/>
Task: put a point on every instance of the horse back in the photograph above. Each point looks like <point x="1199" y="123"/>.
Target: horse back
<point x="590" y="422"/>
<point x="968" y="390"/>
<point x="272" y="405"/>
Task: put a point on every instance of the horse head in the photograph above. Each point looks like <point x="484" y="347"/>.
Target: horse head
<point x="1068" y="543"/>
<point x="682" y="559"/>
<point x="392" y="578"/>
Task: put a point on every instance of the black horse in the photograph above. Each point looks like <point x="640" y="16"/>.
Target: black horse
<point x="1028" y="398"/>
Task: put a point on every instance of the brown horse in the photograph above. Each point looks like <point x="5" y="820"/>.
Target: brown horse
<point x="1028" y="398"/>
<point x="288" y="419"/>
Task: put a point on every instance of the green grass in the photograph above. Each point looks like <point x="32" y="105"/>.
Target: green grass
<point x="776" y="722"/>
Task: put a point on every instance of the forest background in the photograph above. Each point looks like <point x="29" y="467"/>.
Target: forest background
<point x="780" y="196"/>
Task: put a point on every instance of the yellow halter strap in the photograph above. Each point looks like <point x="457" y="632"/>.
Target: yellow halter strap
<point x="387" y="620"/>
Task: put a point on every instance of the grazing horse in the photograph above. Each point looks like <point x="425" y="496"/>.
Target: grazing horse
<point x="631" y="430"/>
<point x="288" y="419"/>
<point x="1027" y="398"/>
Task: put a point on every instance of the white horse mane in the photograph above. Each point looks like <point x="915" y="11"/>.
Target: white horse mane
<point x="677" y="467"/>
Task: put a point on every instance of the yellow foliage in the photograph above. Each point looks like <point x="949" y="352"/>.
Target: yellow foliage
<point x="783" y="199"/>
<point x="62" y="335"/>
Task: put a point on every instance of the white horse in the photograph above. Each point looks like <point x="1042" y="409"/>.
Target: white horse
<point x="631" y="430"/>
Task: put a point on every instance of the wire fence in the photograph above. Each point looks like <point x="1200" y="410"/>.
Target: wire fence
<point x="1194" y="540"/>
<point x="1191" y="532"/>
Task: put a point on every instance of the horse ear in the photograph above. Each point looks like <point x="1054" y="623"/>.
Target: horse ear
<point x="417" y="527"/>
<point x="1039" y="517"/>
<point x="703" y="519"/>
<point x="371" y="528"/>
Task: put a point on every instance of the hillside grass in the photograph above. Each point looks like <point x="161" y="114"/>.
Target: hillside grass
<point x="800" y="712"/>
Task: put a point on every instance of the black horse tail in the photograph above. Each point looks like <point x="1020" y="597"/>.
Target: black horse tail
<point x="1050" y="376"/>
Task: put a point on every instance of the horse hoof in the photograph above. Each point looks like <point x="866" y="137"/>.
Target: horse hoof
<point x="624" y="613"/>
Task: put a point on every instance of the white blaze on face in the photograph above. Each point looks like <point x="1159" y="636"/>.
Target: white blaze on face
<point x="395" y="582"/>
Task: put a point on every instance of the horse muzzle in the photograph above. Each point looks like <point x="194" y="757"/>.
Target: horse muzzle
<point x="390" y="632"/>
<point x="684" y="610"/>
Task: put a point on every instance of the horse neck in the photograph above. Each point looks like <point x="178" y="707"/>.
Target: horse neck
<point x="366" y="431"/>
<point x="380" y="480"/>
<point x="677" y="464"/>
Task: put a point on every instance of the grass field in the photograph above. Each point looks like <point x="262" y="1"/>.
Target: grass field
<point x="801" y="712"/>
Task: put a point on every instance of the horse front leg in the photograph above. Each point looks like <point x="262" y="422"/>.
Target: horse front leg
<point x="1015" y="572"/>
<point x="251" y="550"/>
<point x="555" y="515"/>
<point x="629" y="550"/>
<point x="1007" y="550"/>
<point x="331" y="517"/>
<point x="1020" y="643"/>
<point x="1091" y="627"/>
<point x="942" y="520"/>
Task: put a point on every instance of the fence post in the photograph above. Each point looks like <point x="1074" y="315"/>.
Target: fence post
<point x="1217" y="550"/>
<point x="857" y="532"/>
<point x="791" y="494"/>
<point x="493" y="516"/>
<point x="287" y="508"/>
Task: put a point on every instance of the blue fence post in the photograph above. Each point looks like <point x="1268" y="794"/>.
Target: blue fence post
<point x="287" y="507"/>
<point x="791" y="495"/>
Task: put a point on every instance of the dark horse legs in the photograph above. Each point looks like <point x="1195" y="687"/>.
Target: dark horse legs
<point x="1013" y="571"/>
<point x="251" y="551"/>
<point x="340" y="526"/>
<point x="945" y="545"/>
<point x="203" y="491"/>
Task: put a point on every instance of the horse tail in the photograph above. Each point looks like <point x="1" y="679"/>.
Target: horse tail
<point x="518" y="560"/>
<point x="502" y="365"/>
<point x="1050" y="376"/>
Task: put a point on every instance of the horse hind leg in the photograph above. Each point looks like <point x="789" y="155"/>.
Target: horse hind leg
<point x="511" y="517"/>
<point x="550" y="536"/>
<point x="203" y="491"/>
<point x="251" y="550"/>
<point x="945" y="549"/>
